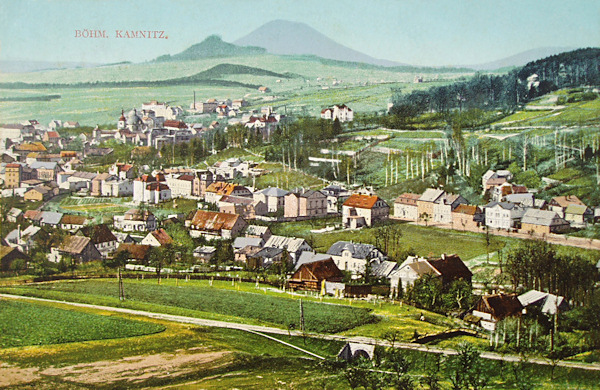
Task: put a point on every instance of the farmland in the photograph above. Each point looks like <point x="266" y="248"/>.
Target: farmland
<point x="25" y="324"/>
<point x="200" y="298"/>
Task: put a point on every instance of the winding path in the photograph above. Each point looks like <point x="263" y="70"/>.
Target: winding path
<point x="257" y="329"/>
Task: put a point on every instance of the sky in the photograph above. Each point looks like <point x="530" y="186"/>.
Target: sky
<point x="418" y="32"/>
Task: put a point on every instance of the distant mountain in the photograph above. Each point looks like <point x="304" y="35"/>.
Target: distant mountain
<point x="521" y="58"/>
<point x="213" y="46"/>
<point x="292" y="38"/>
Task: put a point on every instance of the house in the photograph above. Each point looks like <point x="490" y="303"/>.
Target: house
<point x="352" y="257"/>
<point x="103" y="239"/>
<point x="202" y="179"/>
<point x="409" y="271"/>
<point x="33" y="216"/>
<point x="546" y="303"/>
<point x="258" y="231"/>
<point x="363" y="210"/>
<point x="12" y="175"/>
<point x="304" y="204"/>
<point x="500" y="192"/>
<point x="114" y="187"/>
<point x="494" y="308"/>
<point x="181" y="186"/>
<point x="242" y="255"/>
<point x="8" y="255"/>
<point x="264" y="258"/>
<point x="467" y="217"/>
<point x="51" y="137"/>
<point x="149" y="189"/>
<point x="543" y="222"/>
<point x="559" y="204"/>
<point x="212" y="224"/>
<point x="383" y="269"/>
<point x="443" y="207"/>
<point x="242" y="242"/>
<point x="272" y="197"/>
<point x="426" y="203"/>
<point x="157" y="237"/>
<point x="578" y="215"/>
<point x="310" y="257"/>
<point x="72" y="222"/>
<point x="204" y="253"/>
<point x="50" y="218"/>
<point x="492" y="179"/>
<point x="448" y="268"/>
<point x="135" y="220"/>
<point x="25" y="240"/>
<point x="45" y="171"/>
<point x="80" y="249"/>
<point x="336" y="195"/>
<point x="405" y="207"/>
<point x="310" y="276"/>
<point x="294" y="246"/>
<point x="76" y="181"/>
<point x="264" y="89"/>
<point x="244" y="206"/>
<point x="343" y="113"/>
<point x="139" y="254"/>
<point x="71" y="124"/>
<point x="14" y="215"/>
<point x="38" y="194"/>
<point x="218" y="189"/>
<point x="122" y="171"/>
<point x="502" y="215"/>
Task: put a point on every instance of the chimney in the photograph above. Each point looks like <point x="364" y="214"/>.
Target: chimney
<point x="18" y="234"/>
<point x="443" y="256"/>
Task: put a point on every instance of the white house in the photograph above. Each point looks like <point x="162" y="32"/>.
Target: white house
<point x="352" y="257"/>
<point x="148" y="189"/>
<point x="405" y="206"/>
<point x="135" y="221"/>
<point x="181" y="186"/>
<point x="502" y="215"/>
<point x="342" y="112"/>
<point x="363" y="210"/>
<point x="273" y="197"/>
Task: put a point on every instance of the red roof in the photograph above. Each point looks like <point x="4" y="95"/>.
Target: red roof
<point x="177" y="124"/>
<point x="361" y="201"/>
<point x="467" y="209"/>
<point x="157" y="187"/>
<point x="213" y="221"/>
<point x="162" y="237"/>
<point x="146" y="178"/>
<point x="13" y="165"/>
<point x="138" y="252"/>
<point x="408" y="198"/>
<point x="52" y="134"/>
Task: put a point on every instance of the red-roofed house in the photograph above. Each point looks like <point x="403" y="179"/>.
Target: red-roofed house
<point x="363" y="210"/>
<point x="157" y="238"/>
<point x="51" y="137"/>
<point x="467" y="217"/>
<point x="212" y="225"/>
<point x="310" y="276"/>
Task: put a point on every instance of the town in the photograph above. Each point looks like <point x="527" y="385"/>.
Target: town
<point x="414" y="230"/>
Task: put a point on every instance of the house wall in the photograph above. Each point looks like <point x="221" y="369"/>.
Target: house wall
<point x="406" y="211"/>
<point x="291" y="209"/>
<point x="463" y="221"/>
<point x="425" y="208"/>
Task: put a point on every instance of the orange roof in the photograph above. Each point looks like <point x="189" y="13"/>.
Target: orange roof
<point x="31" y="147"/>
<point x="467" y="209"/>
<point x="213" y="221"/>
<point x="564" y="201"/>
<point x="162" y="237"/>
<point x="52" y="134"/>
<point x="68" y="153"/>
<point x="361" y="201"/>
<point x="72" y="219"/>
<point x="222" y="188"/>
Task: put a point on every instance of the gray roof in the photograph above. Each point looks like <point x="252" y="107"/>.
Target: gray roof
<point x="205" y="250"/>
<point x="85" y="175"/>
<point x="291" y="244"/>
<point x="383" y="269"/>
<point x="504" y="205"/>
<point x="43" y="165"/>
<point x="431" y="195"/>
<point x="549" y="303"/>
<point x="358" y="250"/>
<point x="15" y="212"/>
<point x="274" y="191"/>
<point x="50" y="217"/>
<point x="309" y="257"/>
<point x="542" y="217"/>
<point x="256" y="230"/>
<point x="242" y="242"/>
<point x="268" y="253"/>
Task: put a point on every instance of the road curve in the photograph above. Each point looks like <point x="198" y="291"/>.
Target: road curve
<point x="271" y="330"/>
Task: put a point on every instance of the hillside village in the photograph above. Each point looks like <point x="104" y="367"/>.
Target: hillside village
<point x="451" y="214"/>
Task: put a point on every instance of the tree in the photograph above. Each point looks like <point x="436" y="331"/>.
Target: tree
<point x="395" y="361"/>
<point x="118" y="261"/>
<point x="459" y="295"/>
<point x="467" y="370"/>
<point x="336" y="128"/>
<point x="426" y="292"/>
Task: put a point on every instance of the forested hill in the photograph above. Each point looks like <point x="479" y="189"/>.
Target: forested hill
<point x="213" y="46"/>
<point x="569" y="69"/>
<point x="489" y="92"/>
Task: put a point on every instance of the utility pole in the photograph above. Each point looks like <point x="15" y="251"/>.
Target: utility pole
<point x="301" y="317"/>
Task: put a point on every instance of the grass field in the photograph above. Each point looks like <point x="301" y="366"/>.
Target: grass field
<point x="26" y="323"/>
<point x="202" y="298"/>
